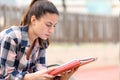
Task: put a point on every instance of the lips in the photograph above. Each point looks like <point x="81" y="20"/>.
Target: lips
<point x="47" y="35"/>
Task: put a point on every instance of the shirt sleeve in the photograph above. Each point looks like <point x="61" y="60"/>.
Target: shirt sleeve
<point x="8" y="60"/>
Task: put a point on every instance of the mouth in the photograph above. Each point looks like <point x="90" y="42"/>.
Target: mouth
<point x="47" y="35"/>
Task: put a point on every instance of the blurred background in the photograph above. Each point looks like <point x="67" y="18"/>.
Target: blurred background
<point x="86" y="28"/>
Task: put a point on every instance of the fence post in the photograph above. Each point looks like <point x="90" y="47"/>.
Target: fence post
<point x="4" y="14"/>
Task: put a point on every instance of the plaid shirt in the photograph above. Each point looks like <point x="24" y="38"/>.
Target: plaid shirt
<point x="13" y="45"/>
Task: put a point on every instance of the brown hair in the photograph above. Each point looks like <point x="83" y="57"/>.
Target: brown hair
<point x="38" y="8"/>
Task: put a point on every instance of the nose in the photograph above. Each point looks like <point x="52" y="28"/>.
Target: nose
<point x="51" y="30"/>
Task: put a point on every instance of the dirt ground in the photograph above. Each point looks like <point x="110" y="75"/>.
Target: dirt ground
<point x="107" y="53"/>
<point x="106" y="67"/>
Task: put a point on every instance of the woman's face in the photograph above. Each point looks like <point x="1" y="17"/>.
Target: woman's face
<point x="44" y="26"/>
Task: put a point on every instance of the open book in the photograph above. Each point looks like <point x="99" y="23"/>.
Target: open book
<point x="70" y="65"/>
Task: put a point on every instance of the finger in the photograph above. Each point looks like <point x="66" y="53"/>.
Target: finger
<point x="47" y="76"/>
<point x="50" y="69"/>
<point x="70" y="73"/>
<point x="77" y="68"/>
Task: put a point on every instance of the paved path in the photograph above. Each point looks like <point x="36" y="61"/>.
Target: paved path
<point x="105" y="73"/>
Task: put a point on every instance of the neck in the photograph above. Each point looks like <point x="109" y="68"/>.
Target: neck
<point x="31" y="35"/>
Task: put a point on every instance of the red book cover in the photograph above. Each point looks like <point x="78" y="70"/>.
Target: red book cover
<point x="70" y="65"/>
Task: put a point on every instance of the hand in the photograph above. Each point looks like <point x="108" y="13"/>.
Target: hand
<point x="66" y="75"/>
<point x="39" y="75"/>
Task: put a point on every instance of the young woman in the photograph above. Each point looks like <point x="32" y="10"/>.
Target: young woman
<point x="22" y="49"/>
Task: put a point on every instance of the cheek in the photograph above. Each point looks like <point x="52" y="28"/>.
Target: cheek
<point x="41" y="30"/>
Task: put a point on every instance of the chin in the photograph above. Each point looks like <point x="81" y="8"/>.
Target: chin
<point x="44" y="38"/>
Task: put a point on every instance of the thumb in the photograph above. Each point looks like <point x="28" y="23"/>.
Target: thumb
<point x="50" y="70"/>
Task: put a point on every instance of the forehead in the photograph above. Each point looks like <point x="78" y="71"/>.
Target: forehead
<point x="50" y="17"/>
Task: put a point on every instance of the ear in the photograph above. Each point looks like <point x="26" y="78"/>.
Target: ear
<point x="33" y="19"/>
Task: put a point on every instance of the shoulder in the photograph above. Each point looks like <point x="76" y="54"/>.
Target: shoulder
<point x="13" y="32"/>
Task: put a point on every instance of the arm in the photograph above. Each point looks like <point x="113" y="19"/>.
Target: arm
<point x="9" y="63"/>
<point x="41" y="72"/>
<point x="39" y="75"/>
<point x="8" y="60"/>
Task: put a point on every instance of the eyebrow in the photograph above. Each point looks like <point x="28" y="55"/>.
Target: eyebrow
<point x="52" y="23"/>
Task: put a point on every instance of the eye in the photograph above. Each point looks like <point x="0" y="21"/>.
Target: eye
<point x="48" y="25"/>
<point x="55" y="26"/>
